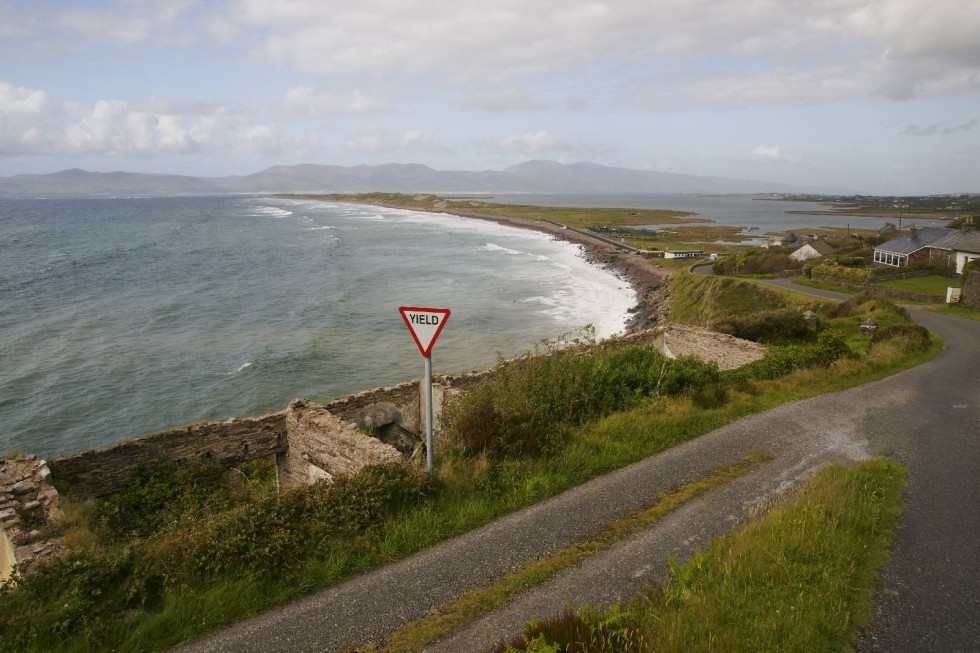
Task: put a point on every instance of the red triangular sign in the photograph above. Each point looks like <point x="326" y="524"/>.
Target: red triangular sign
<point x="425" y="325"/>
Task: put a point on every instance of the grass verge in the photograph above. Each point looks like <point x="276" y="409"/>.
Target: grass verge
<point x="469" y="606"/>
<point x="933" y="285"/>
<point x="800" y="578"/>
<point x="823" y="285"/>
<point x="959" y="311"/>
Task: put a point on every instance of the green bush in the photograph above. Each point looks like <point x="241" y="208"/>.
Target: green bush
<point x="522" y="409"/>
<point x="781" y="360"/>
<point x="709" y="397"/>
<point x="767" y="326"/>
<point x="280" y="531"/>
<point x="914" y="337"/>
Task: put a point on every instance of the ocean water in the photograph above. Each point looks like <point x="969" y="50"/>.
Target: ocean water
<point x="120" y="317"/>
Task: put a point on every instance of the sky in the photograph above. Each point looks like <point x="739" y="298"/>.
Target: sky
<point x="878" y="96"/>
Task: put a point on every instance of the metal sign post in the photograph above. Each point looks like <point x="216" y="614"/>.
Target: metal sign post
<point x="425" y="325"/>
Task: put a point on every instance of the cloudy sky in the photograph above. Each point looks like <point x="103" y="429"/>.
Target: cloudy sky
<point x="881" y="96"/>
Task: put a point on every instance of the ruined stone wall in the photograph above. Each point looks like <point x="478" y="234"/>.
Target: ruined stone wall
<point x="313" y="441"/>
<point x="321" y="445"/>
<point x="28" y="505"/>
<point x="100" y="471"/>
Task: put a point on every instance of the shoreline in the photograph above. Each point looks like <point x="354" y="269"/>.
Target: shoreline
<point x="646" y="279"/>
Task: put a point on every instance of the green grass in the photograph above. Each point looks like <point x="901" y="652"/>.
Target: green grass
<point x="959" y="311"/>
<point x="574" y="217"/>
<point x="822" y="285"/>
<point x="706" y="300"/>
<point x="167" y="586"/>
<point x="471" y="605"/>
<point x="932" y="285"/>
<point x="800" y="578"/>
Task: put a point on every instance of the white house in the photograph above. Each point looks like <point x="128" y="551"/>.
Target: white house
<point x="960" y="247"/>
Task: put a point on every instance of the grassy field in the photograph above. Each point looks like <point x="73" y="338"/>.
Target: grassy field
<point x="573" y="217"/>
<point x="138" y="579"/>
<point x="933" y="285"/>
<point x="800" y="578"/>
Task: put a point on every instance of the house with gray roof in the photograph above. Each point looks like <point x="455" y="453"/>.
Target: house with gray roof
<point x="912" y="247"/>
<point x="959" y="248"/>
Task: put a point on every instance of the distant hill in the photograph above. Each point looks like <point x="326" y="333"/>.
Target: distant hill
<point x="82" y="182"/>
<point x="529" y="177"/>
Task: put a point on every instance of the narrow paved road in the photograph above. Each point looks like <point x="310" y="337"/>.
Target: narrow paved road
<point x="928" y="417"/>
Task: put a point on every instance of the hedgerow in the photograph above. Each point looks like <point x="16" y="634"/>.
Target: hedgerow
<point x="523" y="407"/>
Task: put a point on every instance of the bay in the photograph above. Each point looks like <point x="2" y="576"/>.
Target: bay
<point x="119" y="317"/>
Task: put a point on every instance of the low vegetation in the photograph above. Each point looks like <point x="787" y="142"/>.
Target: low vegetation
<point x="932" y="285"/>
<point x="801" y="578"/>
<point x="573" y="217"/>
<point x="182" y="553"/>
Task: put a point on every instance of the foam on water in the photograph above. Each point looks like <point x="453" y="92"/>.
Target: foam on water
<point x="125" y="317"/>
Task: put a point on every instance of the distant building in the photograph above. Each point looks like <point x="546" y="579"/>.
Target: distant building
<point x="955" y="250"/>
<point x="684" y="253"/>
<point x="814" y="249"/>
<point x="913" y="247"/>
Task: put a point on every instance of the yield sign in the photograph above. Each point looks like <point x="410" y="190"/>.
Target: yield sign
<point x="425" y="324"/>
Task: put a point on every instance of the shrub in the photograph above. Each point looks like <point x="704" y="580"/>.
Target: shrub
<point x="781" y="360"/>
<point x="712" y="396"/>
<point x="523" y="407"/>
<point x="913" y="336"/>
<point x="278" y="532"/>
<point x="160" y="495"/>
<point x="767" y="326"/>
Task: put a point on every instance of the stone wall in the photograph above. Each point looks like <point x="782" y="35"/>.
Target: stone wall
<point x="100" y="471"/>
<point x="393" y="414"/>
<point x="970" y="295"/>
<point x="28" y="504"/>
<point x="313" y="441"/>
<point x="322" y="445"/>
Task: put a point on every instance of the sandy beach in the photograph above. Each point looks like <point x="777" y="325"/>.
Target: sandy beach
<point x="646" y="278"/>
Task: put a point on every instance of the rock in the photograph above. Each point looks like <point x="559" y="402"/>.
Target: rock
<point x="23" y="554"/>
<point x="7" y="514"/>
<point x="31" y="506"/>
<point x="23" y="487"/>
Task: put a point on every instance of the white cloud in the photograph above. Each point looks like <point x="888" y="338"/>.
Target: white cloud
<point x="32" y="124"/>
<point x="530" y="143"/>
<point x="503" y="100"/>
<point x="126" y="22"/>
<point x="375" y="140"/>
<point x="841" y="48"/>
<point x="773" y="153"/>
<point x="304" y="101"/>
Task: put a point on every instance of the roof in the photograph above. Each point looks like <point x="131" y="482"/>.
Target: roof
<point x="914" y="240"/>
<point x="822" y="247"/>
<point x="961" y="241"/>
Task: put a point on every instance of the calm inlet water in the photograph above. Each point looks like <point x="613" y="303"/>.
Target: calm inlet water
<point x="119" y="317"/>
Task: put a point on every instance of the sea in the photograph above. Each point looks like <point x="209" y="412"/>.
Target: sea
<point x="123" y="316"/>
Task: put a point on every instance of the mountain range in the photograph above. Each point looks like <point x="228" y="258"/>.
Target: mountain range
<point x="528" y="177"/>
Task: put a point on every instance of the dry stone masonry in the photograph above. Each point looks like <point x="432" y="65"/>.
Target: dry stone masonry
<point x="28" y="509"/>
